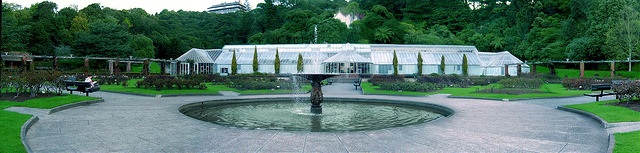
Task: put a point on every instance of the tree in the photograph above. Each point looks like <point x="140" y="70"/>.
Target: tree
<point x="442" y="65"/>
<point x="300" y="63"/>
<point x="255" y="59"/>
<point x="465" y="65"/>
<point x="103" y="40"/>
<point x="625" y="35"/>
<point x="143" y="46"/>
<point x="234" y="64"/>
<point x="395" y="63"/>
<point x="420" y="63"/>
<point x="276" y="62"/>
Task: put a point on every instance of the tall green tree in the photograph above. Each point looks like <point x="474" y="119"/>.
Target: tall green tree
<point x="465" y="65"/>
<point x="234" y="64"/>
<point x="420" y="61"/>
<point x="395" y="63"/>
<point x="442" y="64"/>
<point x="300" y="67"/>
<point x="103" y="39"/>
<point x="276" y="63"/>
<point x="255" y="59"/>
<point x="143" y="46"/>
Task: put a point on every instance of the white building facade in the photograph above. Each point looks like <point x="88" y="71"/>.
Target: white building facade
<point x="350" y="59"/>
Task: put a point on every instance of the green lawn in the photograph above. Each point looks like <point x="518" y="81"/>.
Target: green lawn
<point x="555" y="90"/>
<point x="153" y="67"/>
<point x="11" y="122"/>
<point x="627" y="142"/>
<point x="611" y="114"/>
<point x="575" y="73"/>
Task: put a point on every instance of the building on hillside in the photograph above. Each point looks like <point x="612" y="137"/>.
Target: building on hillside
<point x="228" y="7"/>
<point x="347" y="18"/>
<point x="351" y="59"/>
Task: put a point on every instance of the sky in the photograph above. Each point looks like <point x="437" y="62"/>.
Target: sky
<point x="151" y="6"/>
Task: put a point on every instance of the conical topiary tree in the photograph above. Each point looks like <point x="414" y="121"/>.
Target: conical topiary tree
<point x="442" y="66"/>
<point x="395" y="63"/>
<point x="234" y="64"/>
<point x="276" y="63"/>
<point x="465" y="65"/>
<point x="419" y="64"/>
<point x="255" y="60"/>
<point x="300" y="63"/>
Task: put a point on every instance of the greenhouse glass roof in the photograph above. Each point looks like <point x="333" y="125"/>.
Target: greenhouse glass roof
<point x="498" y="59"/>
<point x="351" y="53"/>
<point x="201" y="55"/>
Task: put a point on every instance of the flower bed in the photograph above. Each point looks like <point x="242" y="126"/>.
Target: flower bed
<point x="168" y="82"/>
<point x="410" y="86"/>
<point x="521" y="83"/>
<point x="627" y="90"/>
<point x="458" y="81"/>
<point x="261" y="82"/>
<point x="584" y="83"/>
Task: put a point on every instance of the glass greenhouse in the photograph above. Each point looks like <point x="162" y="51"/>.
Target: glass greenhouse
<point x="348" y="59"/>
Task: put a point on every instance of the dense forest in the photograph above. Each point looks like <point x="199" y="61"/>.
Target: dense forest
<point x="531" y="30"/>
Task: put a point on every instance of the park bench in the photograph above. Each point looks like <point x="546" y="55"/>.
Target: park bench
<point x="81" y="86"/>
<point x="357" y="83"/>
<point x="329" y="81"/>
<point x="601" y="87"/>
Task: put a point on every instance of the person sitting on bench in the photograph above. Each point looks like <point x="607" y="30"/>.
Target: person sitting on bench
<point x="88" y="79"/>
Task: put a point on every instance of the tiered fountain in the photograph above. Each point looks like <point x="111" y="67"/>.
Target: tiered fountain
<point x="316" y="90"/>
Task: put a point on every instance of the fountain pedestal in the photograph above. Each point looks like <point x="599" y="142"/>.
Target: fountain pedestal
<point x="316" y="90"/>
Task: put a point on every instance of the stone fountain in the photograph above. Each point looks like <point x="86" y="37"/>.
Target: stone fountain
<point x="316" y="90"/>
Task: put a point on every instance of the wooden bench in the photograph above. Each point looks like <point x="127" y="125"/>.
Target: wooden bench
<point x="84" y="87"/>
<point x="601" y="87"/>
<point x="329" y="81"/>
<point x="357" y="83"/>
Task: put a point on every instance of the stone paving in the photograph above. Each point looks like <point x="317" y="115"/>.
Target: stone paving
<point x="125" y="123"/>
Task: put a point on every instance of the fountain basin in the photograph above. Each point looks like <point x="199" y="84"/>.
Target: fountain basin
<point x="340" y="114"/>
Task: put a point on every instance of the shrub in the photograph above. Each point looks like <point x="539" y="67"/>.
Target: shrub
<point x="108" y="80"/>
<point x="627" y="89"/>
<point x="521" y="83"/>
<point x="161" y="82"/>
<point x="248" y="82"/>
<point x="458" y="81"/>
<point x="585" y="83"/>
<point x="377" y="78"/>
<point x="410" y="86"/>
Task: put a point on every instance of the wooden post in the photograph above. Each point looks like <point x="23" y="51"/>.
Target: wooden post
<point x="533" y="69"/>
<point x="613" y="69"/>
<point x="145" y="68"/>
<point x="86" y="65"/>
<point x="582" y="69"/>
<point x="128" y="67"/>
<point x="506" y="70"/>
<point x="162" y="68"/>
<point x="519" y="69"/>
<point x="24" y="64"/>
<point x="55" y="63"/>
<point x="178" y="68"/>
<point x="116" y="67"/>
<point x="110" y="67"/>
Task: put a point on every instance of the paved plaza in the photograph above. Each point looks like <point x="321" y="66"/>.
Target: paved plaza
<point x="128" y="123"/>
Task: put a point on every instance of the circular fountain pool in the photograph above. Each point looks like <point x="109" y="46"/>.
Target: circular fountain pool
<point x="338" y="114"/>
